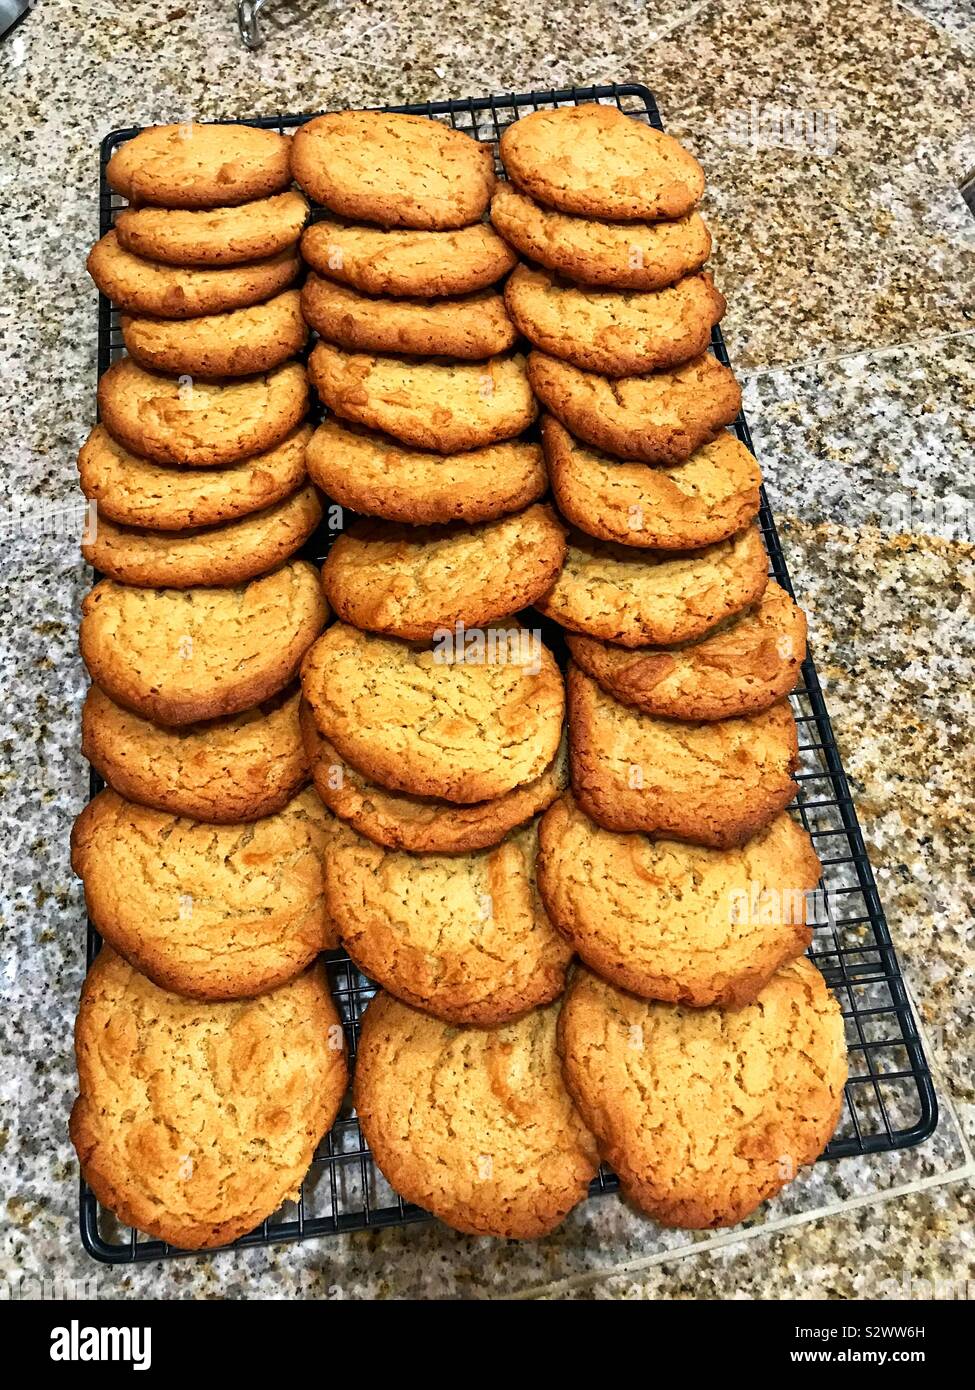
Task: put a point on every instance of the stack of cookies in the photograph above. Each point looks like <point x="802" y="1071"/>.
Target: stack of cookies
<point x="206" y="1028"/>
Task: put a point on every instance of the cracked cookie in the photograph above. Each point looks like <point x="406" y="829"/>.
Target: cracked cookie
<point x="234" y="769"/>
<point x="710" y="784"/>
<point x="397" y="261"/>
<point x="471" y="326"/>
<point x="706" y="1113"/>
<point x="184" y="292"/>
<point x="227" y="554"/>
<point x="597" y="162"/>
<point x="672" y="921"/>
<point x="393" y="169"/>
<point x="201" y="424"/>
<point x="706" y="499"/>
<point x="424" y="824"/>
<point x="430" y="403"/>
<point x="238" y="343"/>
<point x="623" y="256"/>
<point x="375" y="474"/>
<point x="133" y="491"/>
<point x="181" y="655"/>
<point x="465" y="720"/>
<point x="195" y="1121"/>
<point x="214" y="236"/>
<point x="212" y="911"/>
<point x="415" y="581"/>
<point x="615" y="332"/>
<point x="464" y="937"/>
<point x="194" y="165"/>
<point x="639" y="597"/>
<point x="661" y="417"/>
<point x="475" y="1125"/>
<point x="744" y="665"/>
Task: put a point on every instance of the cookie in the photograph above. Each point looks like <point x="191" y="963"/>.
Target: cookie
<point x="707" y="499"/>
<point x="181" y="655"/>
<point x="184" y="292"/>
<point x="597" y="162"/>
<point x="415" y="581"/>
<point x="228" y="554"/>
<point x="380" y="260"/>
<point x="661" y="417"/>
<point x="672" y="921"/>
<point x="399" y="171"/>
<point x="238" y="343"/>
<point x="706" y="1113"/>
<point x="195" y="1121"/>
<point x="462" y="936"/>
<point x="474" y="1125"/>
<point x="711" y="784"/>
<point x="375" y="474"/>
<point x="467" y="719"/>
<point x="624" y="256"/>
<point x="616" y="332"/>
<point x="201" y="424"/>
<point x="638" y="598"/>
<point x="471" y="326"/>
<point x="135" y="492"/>
<point x="200" y="166"/>
<point x="228" y="770"/>
<point x="211" y="911"/>
<point x="422" y="824"/>
<point x="432" y="404"/>
<point x="214" y="236"/>
<point x="741" y="667"/>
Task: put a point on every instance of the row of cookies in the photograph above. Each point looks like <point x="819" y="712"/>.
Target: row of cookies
<point x="206" y="1028"/>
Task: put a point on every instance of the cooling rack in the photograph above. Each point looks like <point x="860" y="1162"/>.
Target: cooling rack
<point x="889" y="1101"/>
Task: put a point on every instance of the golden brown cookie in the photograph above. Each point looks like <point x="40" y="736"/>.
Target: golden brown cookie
<point x="423" y="824"/>
<point x="462" y="936"/>
<point x="396" y="170"/>
<point x="742" y="666"/>
<point x="470" y="326"/>
<point x="181" y="655"/>
<point x="473" y="1124"/>
<point x="658" y="418"/>
<point x="708" y="498"/>
<point x="710" y="784"/>
<point x="212" y="911"/>
<point x="431" y="403"/>
<point x="672" y="921"/>
<point x="596" y="162"/>
<point x="414" y="581"/>
<point x="375" y="474"/>
<point x="184" y="292"/>
<point x="201" y="424"/>
<point x="238" y="343"/>
<point x="195" y="1121"/>
<point x="636" y="598"/>
<point x="706" y="1113"/>
<point x="228" y="554"/>
<point x="616" y="332"/>
<point x="214" y="236"/>
<point x="234" y="769"/>
<point x="200" y="166"/>
<point x="464" y="720"/>
<point x="396" y="261"/>
<point x="136" y="492"/>
<point x="622" y="255"/>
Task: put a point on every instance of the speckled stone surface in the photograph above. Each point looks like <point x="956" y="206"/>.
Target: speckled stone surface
<point x="848" y="272"/>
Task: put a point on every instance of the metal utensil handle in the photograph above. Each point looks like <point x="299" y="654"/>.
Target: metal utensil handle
<point x="248" y="18"/>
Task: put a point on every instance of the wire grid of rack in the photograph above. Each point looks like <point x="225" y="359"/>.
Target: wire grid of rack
<point x="889" y="1102"/>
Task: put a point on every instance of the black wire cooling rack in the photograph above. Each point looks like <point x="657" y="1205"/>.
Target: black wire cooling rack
<point x="889" y="1103"/>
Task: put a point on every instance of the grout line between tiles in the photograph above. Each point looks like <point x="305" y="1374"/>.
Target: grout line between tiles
<point x="747" y="374"/>
<point x="963" y="41"/>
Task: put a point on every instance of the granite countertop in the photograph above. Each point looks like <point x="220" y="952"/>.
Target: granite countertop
<point x="834" y="140"/>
